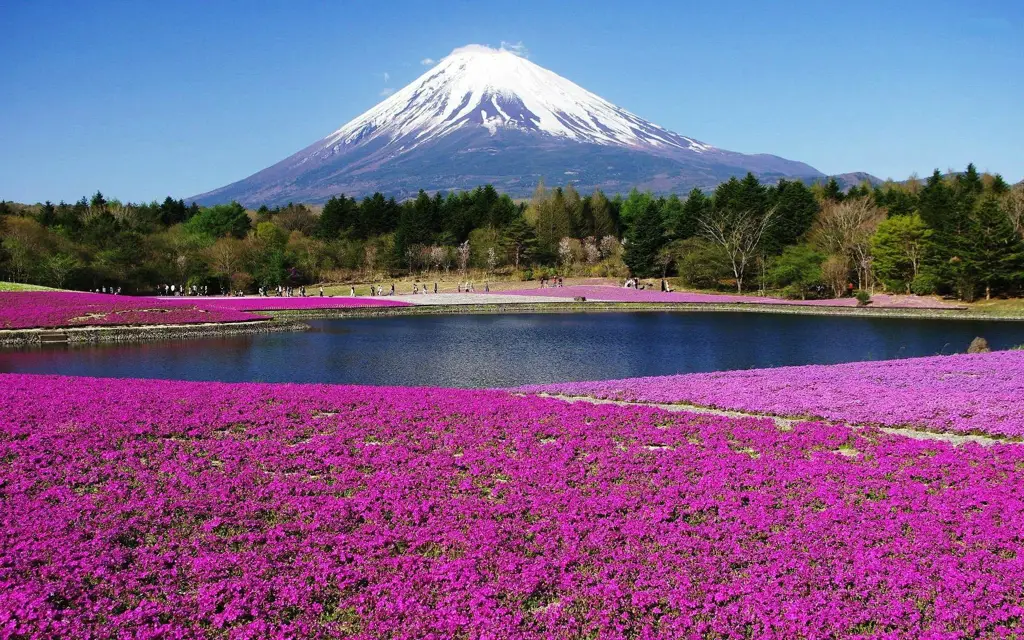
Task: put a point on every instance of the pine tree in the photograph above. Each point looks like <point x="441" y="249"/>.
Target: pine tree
<point x="795" y="209"/>
<point x="520" y="241"/>
<point x="991" y="252"/>
<point x="695" y="207"/>
<point x="644" y="240"/>
<point x="337" y="216"/>
<point x="833" y="191"/>
<point x="602" y="222"/>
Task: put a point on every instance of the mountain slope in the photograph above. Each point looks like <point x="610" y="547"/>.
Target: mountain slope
<point x="486" y="115"/>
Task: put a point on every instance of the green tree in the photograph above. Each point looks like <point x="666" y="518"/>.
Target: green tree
<point x="899" y="250"/>
<point x="633" y="206"/>
<point x="337" y="216"/>
<point x="220" y="220"/>
<point x="832" y="191"/>
<point x="599" y="209"/>
<point x="520" y="241"/>
<point x="797" y="270"/>
<point x="992" y="252"/>
<point x="644" y="239"/>
<point x="795" y="208"/>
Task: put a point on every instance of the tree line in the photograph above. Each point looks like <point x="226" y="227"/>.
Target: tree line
<point x="959" y="234"/>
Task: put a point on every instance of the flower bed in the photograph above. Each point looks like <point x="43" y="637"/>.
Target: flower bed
<point x="605" y="293"/>
<point x="28" y="310"/>
<point x="298" y="304"/>
<point x="980" y="393"/>
<point x="144" y="509"/>
<point x="49" y="309"/>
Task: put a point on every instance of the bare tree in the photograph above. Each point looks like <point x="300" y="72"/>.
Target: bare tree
<point x="225" y="257"/>
<point x="590" y="251"/>
<point x="437" y="257"/>
<point x="610" y="246"/>
<point x="835" y="271"/>
<point x="739" y="233"/>
<point x="565" y="252"/>
<point x="370" y="258"/>
<point x="845" y="228"/>
<point x="492" y="259"/>
<point x="463" y="257"/>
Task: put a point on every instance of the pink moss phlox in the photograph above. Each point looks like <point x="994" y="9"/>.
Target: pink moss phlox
<point x="159" y="509"/>
<point x="51" y="309"/>
<point x="977" y="393"/>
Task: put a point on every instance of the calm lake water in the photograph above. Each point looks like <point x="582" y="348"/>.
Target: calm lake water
<point x="504" y="350"/>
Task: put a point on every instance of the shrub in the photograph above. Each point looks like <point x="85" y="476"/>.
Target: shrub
<point x="979" y="345"/>
<point x="863" y="298"/>
<point x="925" y="284"/>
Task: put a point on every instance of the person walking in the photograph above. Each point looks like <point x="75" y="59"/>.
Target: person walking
<point x="353" y="290"/>
<point x="321" y="291"/>
<point x="435" y="287"/>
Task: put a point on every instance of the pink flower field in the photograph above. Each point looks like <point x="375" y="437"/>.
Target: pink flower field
<point x="50" y="309"/>
<point x="980" y="393"/>
<point x="47" y="309"/>
<point x="157" y="509"/>
<point x="271" y="304"/>
<point x="605" y="293"/>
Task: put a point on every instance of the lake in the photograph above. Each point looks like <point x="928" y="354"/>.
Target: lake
<point x="512" y="349"/>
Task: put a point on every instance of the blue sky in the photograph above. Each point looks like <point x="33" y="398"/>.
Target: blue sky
<point x="146" y="99"/>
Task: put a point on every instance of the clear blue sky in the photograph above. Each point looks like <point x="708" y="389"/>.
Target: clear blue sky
<point x="145" y="99"/>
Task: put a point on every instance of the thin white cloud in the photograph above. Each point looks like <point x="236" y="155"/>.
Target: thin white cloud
<point x="426" y="62"/>
<point x="517" y="48"/>
<point x="385" y="92"/>
<point x="387" y="76"/>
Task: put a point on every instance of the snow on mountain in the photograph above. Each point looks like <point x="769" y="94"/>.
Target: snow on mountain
<point x="484" y="115"/>
<point x="497" y="88"/>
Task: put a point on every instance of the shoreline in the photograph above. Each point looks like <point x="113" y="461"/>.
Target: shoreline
<point x="283" y="320"/>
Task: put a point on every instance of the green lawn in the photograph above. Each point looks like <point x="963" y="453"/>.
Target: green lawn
<point x="15" y="286"/>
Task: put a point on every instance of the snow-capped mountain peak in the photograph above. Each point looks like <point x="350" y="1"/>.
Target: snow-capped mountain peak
<point x="491" y="88"/>
<point x="490" y="116"/>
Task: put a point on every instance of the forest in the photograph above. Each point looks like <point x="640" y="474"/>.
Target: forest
<point x="957" y="234"/>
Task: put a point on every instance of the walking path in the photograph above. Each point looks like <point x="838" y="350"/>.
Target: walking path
<point x="786" y="424"/>
<point x="473" y="298"/>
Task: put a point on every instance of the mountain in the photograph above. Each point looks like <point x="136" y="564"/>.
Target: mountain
<point x="484" y="115"/>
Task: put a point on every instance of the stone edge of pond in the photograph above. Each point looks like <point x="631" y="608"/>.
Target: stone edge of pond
<point x="14" y="338"/>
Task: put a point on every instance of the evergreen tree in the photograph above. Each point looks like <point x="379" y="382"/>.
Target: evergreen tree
<point x="795" y="209"/>
<point x="413" y="225"/>
<point x="644" y="239"/>
<point x="751" y="196"/>
<point x="633" y="206"/>
<point x="695" y="207"/>
<point x="520" y="241"/>
<point x="991" y="253"/>
<point x="47" y="214"/>
<point x="337" y="216"/>
<point x="602" y="222"/>
<point x="833" y="191"/>
<point x="672" y="217"/>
